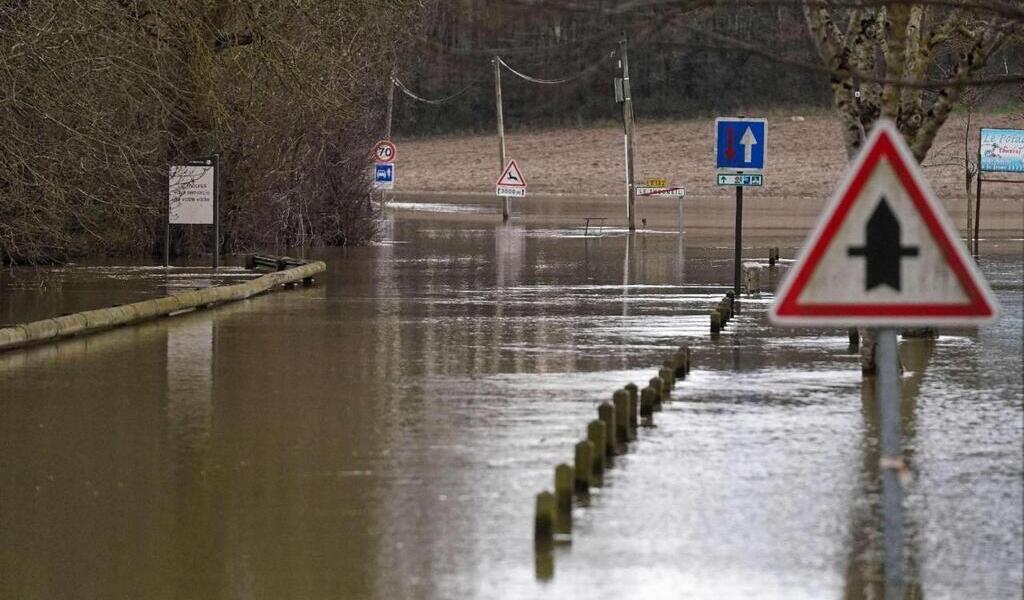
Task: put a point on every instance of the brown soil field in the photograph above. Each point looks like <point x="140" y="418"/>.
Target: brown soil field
<point x="586" y="166"/>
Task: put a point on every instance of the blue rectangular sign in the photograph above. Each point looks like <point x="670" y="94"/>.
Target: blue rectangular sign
<point x="740" y="144"/>
<point x="1002" y="150"/>
<point x="385" y="173"/>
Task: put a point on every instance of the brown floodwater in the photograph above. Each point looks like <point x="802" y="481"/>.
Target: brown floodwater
<point x="383" y="434"/>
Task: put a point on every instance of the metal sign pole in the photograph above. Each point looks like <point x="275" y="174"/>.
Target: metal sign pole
<point x="216" y="210"/>
<point x="167" y="229"/>
<point x="739" y="241"/>
<point x="888" y="393"/>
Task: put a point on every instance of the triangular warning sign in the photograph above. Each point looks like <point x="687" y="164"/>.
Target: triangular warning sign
<point x="883" y="252"/>
<point x="512" y="176"/>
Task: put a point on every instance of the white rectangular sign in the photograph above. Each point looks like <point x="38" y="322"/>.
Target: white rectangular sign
<point x="190" y="190"/>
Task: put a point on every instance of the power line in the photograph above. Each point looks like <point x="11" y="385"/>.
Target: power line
<point x="585" y="71"/>
<point x="417" y="97"/>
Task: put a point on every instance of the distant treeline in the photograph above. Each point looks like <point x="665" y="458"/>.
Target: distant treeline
<point x="683" y="62"/>
<point x="99" y="98"/>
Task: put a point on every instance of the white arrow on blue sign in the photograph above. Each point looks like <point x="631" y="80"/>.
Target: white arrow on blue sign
<point x="740" y="144"/>
<point x="384" y="176"/>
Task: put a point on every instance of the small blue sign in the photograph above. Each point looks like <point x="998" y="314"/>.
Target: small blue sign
<point x="740" y="144"/>
<point x="1002" y="150"/>
<point x="385" y="173"/>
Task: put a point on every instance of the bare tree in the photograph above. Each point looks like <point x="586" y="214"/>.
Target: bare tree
<point x="99" y="97"/>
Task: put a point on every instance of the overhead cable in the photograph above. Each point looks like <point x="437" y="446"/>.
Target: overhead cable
<point x="552" y="81"/>
<point x="419" y="98"/>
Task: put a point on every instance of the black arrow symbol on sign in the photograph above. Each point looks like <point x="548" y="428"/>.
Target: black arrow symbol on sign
<point x="883" y="250"/>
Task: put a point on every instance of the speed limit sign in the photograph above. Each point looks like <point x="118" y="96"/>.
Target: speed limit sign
<point x="384" y="152"/>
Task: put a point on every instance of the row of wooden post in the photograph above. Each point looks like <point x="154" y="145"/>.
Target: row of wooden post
<point x="607" y="436"/>
<point x="727" y="308"/>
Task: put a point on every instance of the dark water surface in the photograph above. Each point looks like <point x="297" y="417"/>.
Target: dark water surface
<point x="383" y="435"/>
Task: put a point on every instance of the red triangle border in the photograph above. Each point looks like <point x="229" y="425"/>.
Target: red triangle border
<point x="978" y="305"/>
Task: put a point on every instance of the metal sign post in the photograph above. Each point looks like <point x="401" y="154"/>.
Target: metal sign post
<point x="999" y="151"/>
<point x="740" y="156"/>
<point x="884" y="255"/>
<point x="738" y="252"/>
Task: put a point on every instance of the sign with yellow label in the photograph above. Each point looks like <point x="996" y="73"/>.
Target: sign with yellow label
<point x="657" y="182"/>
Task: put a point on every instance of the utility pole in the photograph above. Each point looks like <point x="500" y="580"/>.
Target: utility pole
<point x="501" y="133"/>
<point x="391" y="105"/>
<point x="627" y="124"/>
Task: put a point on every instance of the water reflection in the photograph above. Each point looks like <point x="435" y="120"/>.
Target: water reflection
<point x="383" y="436"/>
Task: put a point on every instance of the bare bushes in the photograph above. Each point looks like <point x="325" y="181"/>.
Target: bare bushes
<point x="99" y="97"/>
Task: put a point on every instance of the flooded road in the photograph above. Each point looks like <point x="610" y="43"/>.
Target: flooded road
<point x="383" y="435"/>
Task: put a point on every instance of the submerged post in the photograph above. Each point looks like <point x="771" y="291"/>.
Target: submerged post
<point x="658" y="386"/>
<point x="544" y="523"/>
<point x="584" y="466"/>
<point x="596" y="434"/>
<point x="606" y="412"/>
<point x="634" y="405"/>
<point x="621" y="401"/>
<point x="647" y="407"/>
<point x="564" y="482"/>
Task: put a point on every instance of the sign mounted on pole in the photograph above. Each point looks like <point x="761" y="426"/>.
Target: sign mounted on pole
<point x="1002" y="150"/>
<point x="884" y="253"/>
<point x="752" y="180"/>
<point x="511" y="183"/>
<point x="385" y="151"/>
<point x="384" y="176"/>
<point x="190" y="194"/>
<point x="740" y="144"/>
<point x="647" y="191"/>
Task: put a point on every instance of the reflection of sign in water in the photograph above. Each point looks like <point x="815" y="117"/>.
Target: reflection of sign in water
<point x="189" y="382"/>
<point x="191" y="195"/>
<point x="1002" y="150"/>
<point x="510" y="254"/>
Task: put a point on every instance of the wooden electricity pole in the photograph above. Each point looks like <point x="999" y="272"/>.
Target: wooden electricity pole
<point x="627" y="123"/>
<point x="391" y="105"/>
<point x="501" y="133"/>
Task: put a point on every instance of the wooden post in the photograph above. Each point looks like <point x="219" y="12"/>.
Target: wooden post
<point x="596" y="434"/>
<point x="634" y="405"/>
<point x="647" y="407"/>
<point x="627" y="124"/>
<point x="544" y="523"/>
<point x="501" y="133"/>
<point x="606" y="412"/>
<point x="658" y="386"/>
<point x="391" y="105"/>
<point x="584" y="466"/>
<point x="620" y="399"/>
<point x="563" y="498"/>
<point x="667" y="381"/>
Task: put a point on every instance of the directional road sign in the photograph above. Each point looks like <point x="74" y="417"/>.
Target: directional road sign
<point x="740" y="144"/>
<point x="511" y="182"/>
<point x="753" y="180"/>
<point x="385" y="151"/>
<point x="647" y="190"/>
<point x="384" y="176"/>
<point x="884" y="253"/>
